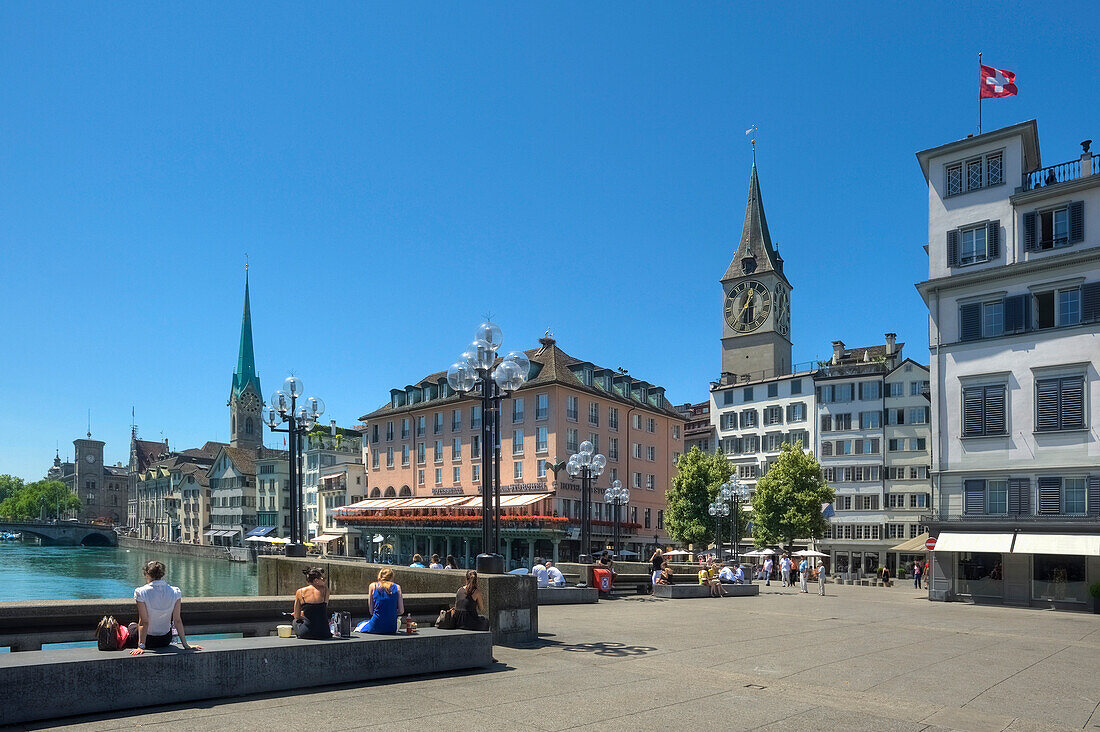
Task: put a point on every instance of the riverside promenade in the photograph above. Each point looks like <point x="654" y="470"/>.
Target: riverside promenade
<point x="860" y="659"/>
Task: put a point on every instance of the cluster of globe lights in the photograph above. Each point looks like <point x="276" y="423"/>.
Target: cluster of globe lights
<point x="586" y="459"/>
<point x="616" y="493"/>
<point x="510" y="374"/>
<point x="281" y="402"/>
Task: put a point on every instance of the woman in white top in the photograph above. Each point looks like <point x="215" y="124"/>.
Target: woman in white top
<point x="158" y="605"/>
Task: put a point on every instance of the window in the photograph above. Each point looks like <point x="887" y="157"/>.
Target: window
<point x="517" y="409"/>
<point x="475" y="447"/>
<point x="420" y="453"/>
<point x="439" y="476"/>
<point x="650" y="425"/>
<point x="727" y="398"/>
<point x="637" y="480"/>
<point x="1073" y="496"/>
<point x="973" y="174"/>
<point x="749" y="418"/>
<point x="896" y="389"/>
<point x="660" y="518"/>
<point x="439" y="451"/>
<point x="993" y="318"/>
<point x="870" y="390"/>
<point x="728" y="421"/>
<point x="389" y="457"/>
<point x="420" y="426"/>
<point x="595" y="440"/>
<point x="475" y="417"/>
<point x="796" y="412"/>
<point x="651" y="453"/>
<point x="918" y="415"/>
<point x="773" y="441"/>
<point x="636" y="421"/>
<point x="972" y="247"/>
<point x="540" y="469"/>
<point x="437" y="422"/>
<point x="675" y="431"/>
<point x="650" y="482"/>
<point x="374" y="458"/>
<point x="870" y="420"/>
<point x="746" y="471"/>
<point x="796" y="386"/>
<point x="542" y="406"/>
<point x="773" y="390"/>
<point x="994" y="169"/>
<point x="389" y="431"/>
<point x="456" y="475"/>
<point x="456" y="420"/>
<point x="984" y="411"/>
<point x="571" y="408"/>
<point x="747" y="394"/>
<point x="996" y="496"/>
<point x="405" y="428"/>
<point x="517" y="470"/>
<point x="954" y="179"/>
<point x="636" y="450"/>
<point x="613" y="448"/>
<point x="1069" y="306"/>
<point x="916" y="388"/>
<point x="475" y="473"/>
<point x="613" y="418"/>
<point x="1060" y="404"/>
<point x="646" y="524"/>
<point x="404" y="454"/>
<point x="571" y="442"/>
<point x="541" y="439"/>
<point x="594" y="414"/>
<point x="456" y="449"/>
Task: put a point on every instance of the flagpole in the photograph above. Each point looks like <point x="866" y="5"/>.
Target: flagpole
<point x="979" y="93"/>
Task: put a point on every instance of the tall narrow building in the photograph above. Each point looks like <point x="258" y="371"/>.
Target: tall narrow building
<point x="245" y="396"/>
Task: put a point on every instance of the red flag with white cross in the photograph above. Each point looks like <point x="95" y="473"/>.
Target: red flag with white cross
<point x="994" y="83"/>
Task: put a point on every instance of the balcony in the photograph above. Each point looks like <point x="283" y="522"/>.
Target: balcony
<point x="1020" y="520"/>
<point x="828" y="370"/>
<point x="1051" y="175"/>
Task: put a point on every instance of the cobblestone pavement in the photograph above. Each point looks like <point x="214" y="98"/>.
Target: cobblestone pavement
<point x="859" y="658"/>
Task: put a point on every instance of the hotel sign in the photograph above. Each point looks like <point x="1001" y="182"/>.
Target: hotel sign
<point x="454" y="490"/>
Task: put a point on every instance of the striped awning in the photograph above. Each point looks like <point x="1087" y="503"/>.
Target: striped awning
<point x="455" y="502"/>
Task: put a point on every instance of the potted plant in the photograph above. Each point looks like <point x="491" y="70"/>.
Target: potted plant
<point x="1094" y="590"/>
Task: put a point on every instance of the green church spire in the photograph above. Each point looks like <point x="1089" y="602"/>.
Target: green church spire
<point x="246" y="358"/>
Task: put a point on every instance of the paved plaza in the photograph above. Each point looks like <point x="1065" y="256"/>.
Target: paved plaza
<point x="861" y="658"/>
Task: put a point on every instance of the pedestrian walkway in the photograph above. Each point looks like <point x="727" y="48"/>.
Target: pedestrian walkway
<point x="855" y="659"/>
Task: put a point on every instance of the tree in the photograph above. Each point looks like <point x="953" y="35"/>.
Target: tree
<point x="698" y="476"/>
<point x="9" y="486"/>
<point x="788" y="500"/>
<point x="41" y="498"/>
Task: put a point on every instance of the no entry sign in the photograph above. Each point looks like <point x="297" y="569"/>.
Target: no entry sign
<point x="930" y="545"/>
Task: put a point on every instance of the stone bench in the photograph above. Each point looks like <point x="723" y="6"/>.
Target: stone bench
<point x="679" y="592"/>
<point x="567" y="595"/>
<point x="58" y="683"/>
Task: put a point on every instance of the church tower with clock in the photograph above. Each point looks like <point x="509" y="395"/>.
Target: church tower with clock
<point x="756" y="304"/>
<point x="245" y="397"/>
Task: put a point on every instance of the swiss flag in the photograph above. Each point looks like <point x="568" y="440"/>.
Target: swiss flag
<point x="995" y="82"/>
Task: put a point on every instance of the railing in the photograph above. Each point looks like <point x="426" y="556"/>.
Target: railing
<point x="1052" y="174"/>
<point x="852" y="369"/>
<point x="728" y="379"/>
<point x="1021" y="518"/>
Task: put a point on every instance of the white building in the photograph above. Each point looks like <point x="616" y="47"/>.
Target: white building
<point x="1013" y="293"/>
<point x="335" y="477"/>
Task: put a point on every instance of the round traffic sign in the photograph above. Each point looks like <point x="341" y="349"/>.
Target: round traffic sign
<point x="930" y="545"/>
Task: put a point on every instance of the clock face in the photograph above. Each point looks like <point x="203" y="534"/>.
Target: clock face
<point x="782" y="311"/>
<point x="250" y="402"/>
<point x="90" y="458"/>
<point x="747" y="306"/>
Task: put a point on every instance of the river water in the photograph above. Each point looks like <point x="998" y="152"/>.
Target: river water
<point x="32" y="572"/>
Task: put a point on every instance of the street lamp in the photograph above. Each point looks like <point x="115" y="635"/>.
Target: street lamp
<point x="299" y="420"/>
<point x="586" y="465"/>
<point x="719" y="509"/>
<point x="478" y="372"/>
<point x="734" y="491"/>
<point x="617" y="496"/>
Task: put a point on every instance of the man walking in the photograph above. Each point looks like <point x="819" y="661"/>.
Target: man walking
<point x="821" y="579"/>
<point x="768" y="564"/>
<point x="785" y="570"/>
<point x="803" y="575"/>
<point x="916" y="575"/>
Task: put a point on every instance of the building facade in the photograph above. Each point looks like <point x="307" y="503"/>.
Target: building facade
<point x="324" y="450"/>
<point x="103" y="489"/>
<point x="1013" y="292"/>
<point x="424" y="446"/>
<point x="698" y="430"/>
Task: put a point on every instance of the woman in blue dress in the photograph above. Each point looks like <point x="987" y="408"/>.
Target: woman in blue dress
<point x="385" y="603"/>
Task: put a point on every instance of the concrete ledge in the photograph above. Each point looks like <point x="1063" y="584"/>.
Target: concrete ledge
<point x="58" y="683"/>
<point x="568" y="595"/>
<point x="680" y="592"/>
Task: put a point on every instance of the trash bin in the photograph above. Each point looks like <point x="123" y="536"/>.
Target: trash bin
<point x="602" y="579"/>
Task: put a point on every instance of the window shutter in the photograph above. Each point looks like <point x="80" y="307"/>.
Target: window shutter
<point x="826" y="449"/>
<point x="1073" y="403"/>
<point x="972" y="412"/>
<point x="994" y="421"/>
<point x="1031" y="241"/>
<point x="974" y="497"/>
<point x="1018" y="312"/>
<point x="1019" y="496"/>
<point x="970" y="321"/>
<point x="875" y="445"/>
<point x="1090" y="302"/>
<point x="1046" y="405"/>
<point x="858" y="450"/>
<point x="993" y="238"/>
<point x="1093" y="496"/>
<point x="953" y="248"/>
<point x="1050" y="495"/>
<point x="1076" y="222"/>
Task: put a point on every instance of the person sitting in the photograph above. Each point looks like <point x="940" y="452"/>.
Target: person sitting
<point x="554" y="576"/>
<point x="435" y="562"/>
<point x="542" y="578"/>
<point x="469" y="604"/>
<point x="311" y="606"/>
<point x="451" y="563"/>
<point x="665" y="577"/>
<point x="655" y="563"/>
<point x="158" y="606"/>
<point x="418" y="561"/>
<point x="739" y="575"/>
<point x="725" y="575"/>
<point x="709" y="576"/>
<point x="385" y="603"/>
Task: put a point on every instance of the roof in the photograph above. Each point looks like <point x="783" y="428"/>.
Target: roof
<point x="866" y="353"/>
<point x="245" y="374"/>
<point x="549" y="365"/>
<point x="1029" y="130"/>
<point x="147" y="452"/>
<point x="755" y="253"/>
<point x="244" y="458"/>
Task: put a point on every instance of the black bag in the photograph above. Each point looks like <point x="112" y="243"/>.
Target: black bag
<point x="446" y="619"/>
<point x="106" y="634"/>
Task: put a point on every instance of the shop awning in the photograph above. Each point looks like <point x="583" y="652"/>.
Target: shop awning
<point x="226" y="533"/>
<point x="951" y="541"/>
<point x="522" y="499"/>
<point x="260" y="531"/>
<point x="256" y="538"/>
<point x="324" y="538"/>
<point x="212" y="532"/>
<point x="913" y="546"/>
<point x="1072" y="544"/>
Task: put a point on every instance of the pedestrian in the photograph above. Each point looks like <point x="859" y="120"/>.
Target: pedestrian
<point x="158" y="606"/>
<point x="785" y="569"/>
<point x="916" y="575"/>
<point x="821" y="579"/>
<point x="803" y="575"/>
<point x="655" y="563"/>
<point x="768" y="564"/>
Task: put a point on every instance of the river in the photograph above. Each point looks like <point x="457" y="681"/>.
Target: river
<point x="32" y="572"/>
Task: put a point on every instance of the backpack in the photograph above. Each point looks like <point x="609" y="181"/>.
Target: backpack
<point x="106" y="634"/>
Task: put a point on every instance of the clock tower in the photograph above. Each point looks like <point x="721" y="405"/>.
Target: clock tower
<point x="756" y="300"/>
<point x="245" y="397"/>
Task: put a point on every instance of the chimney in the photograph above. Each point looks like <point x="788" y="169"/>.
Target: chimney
<point x="891" y="340"/>
<point x="838" y="351"/>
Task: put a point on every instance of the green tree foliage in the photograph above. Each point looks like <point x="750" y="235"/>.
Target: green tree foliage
<point x="41" y="498"/>
<point x="787" y="503"/>
<point x="698" y="476"/>
<point x="9" y="486"/>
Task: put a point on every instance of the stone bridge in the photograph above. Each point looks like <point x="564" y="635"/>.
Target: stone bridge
<point x="64" y="533"/>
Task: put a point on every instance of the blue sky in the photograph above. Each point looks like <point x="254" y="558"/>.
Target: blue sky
<point x="394" y="171"/>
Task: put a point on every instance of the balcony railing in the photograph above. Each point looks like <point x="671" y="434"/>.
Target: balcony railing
<point x="852" y="369"/>
<point x="1009" y="518"/>
<point x="1060" y="173"/>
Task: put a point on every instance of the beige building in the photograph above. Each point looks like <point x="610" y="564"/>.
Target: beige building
<point x="424" y="446"/>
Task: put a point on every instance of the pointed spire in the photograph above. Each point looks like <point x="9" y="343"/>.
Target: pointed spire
<point x="246" y="358"/>
<point x="755" y="253"/>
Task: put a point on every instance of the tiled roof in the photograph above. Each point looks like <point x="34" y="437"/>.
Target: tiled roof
<point x="147" y="452"/>
<point x="866" y="353"/>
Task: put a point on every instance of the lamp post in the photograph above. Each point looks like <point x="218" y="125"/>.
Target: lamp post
<point x="586" y="465"/>
<point x="719" y="509"/>
<point x="284" y="409"/>
<point x="734" y="491"/>
<point x="478" y="372"/>
<point x="616" y="495"/>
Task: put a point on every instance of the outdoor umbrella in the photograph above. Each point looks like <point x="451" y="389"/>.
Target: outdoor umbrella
<point x="809" y="553"/>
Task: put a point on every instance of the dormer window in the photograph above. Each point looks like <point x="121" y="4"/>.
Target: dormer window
<point x="748" y="265"/>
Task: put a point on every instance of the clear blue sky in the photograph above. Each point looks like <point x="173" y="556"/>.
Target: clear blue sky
<point x="395" y="171"/>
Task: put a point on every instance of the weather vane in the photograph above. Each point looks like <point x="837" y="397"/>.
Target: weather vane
<point x="752" y="131"/>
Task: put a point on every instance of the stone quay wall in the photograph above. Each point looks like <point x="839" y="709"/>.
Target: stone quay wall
<point x="186" y="550"/>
